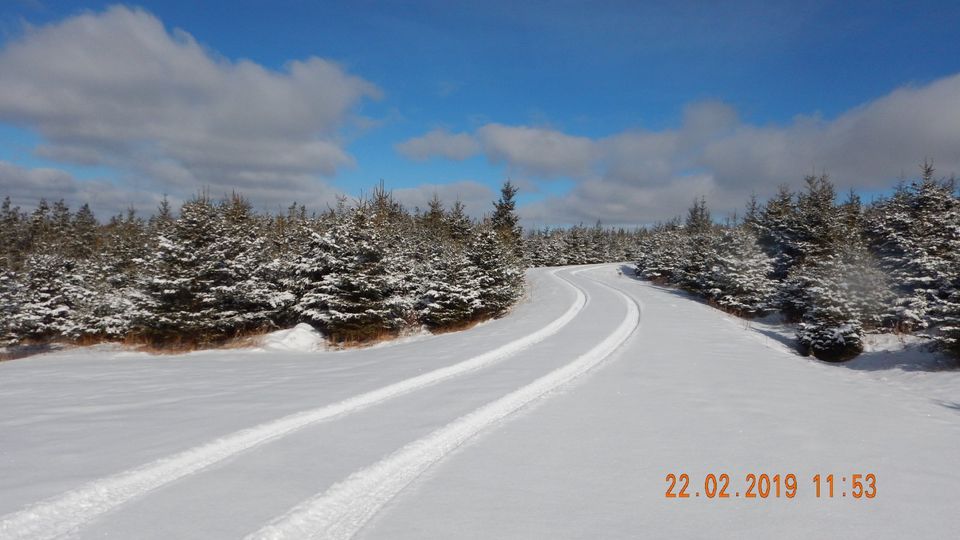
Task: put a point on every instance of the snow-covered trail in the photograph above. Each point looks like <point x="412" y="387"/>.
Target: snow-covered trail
<point x="291" y="469"/>
<point x="694" y="391"/>
<point x="60" y="515"/>
<point x="691" y="391"/>
<point x="57" y="409"/>
<point x="343" y="509"/>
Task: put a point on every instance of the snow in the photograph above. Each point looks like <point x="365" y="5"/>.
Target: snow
<point x="300" y="338"/>
<point x="568" y="435"/>
<point x="341" y="511"/>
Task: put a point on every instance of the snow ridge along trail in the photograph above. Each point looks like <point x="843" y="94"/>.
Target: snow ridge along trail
<point x="64" y="514"/>
<point x="342" y="510"/>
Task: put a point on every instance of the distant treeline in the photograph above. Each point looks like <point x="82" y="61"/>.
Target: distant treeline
<point x="218" y="270"/>
<point x="581" y="245"/>
<point x="839" y="270"/>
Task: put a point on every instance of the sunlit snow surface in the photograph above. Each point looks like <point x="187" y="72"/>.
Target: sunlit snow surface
<point x="691" y="390"/>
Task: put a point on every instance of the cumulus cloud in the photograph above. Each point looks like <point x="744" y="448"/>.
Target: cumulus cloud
<point x="26" y="186"/>
<point x="538" y="151"/>
<point x="118" y="89"/>
<point x="642" y="176"/>
<point x="862" y="148"/>
<point x="440" y="143"/>
<point x="476" y="197"/>
<point x="597" y="199"/>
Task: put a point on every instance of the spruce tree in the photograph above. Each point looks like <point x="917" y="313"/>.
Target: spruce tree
<point x="451" y="294"/>
<point x="361" y="299"/>
<point x="778" y="231"/>
<point x="10" y="301"/>
<point x="845" y="289"/>
<point x="49" y="296"/>
<point x="180" y="275"/>
<point x="739" y="275"/>
<point x="499" y="274"/>
<point x="14" y="236"/>
<point x="458" y="224"/>
<point x="245" y="291"/>
<point x="505" y="220"/>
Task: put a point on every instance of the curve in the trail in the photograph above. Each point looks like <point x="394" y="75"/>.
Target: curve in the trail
<point x="342" y="510"/>
<point x="65" y="513"/>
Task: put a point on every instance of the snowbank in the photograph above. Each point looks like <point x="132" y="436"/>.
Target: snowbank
<point x="300" y="338"/>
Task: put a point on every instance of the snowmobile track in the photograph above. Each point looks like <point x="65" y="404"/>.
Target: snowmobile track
<point x="64" y="514"/>
<point x="343" y="509"/>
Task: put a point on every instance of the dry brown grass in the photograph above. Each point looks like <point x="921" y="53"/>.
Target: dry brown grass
<point x="182" y="344"/>
<point x="360" y="341"/>
<point x="466" y="325"/>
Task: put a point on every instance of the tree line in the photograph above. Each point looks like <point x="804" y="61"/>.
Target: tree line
<point x="218" y="269"/>
<point x="581" y="245"/>
<point x="837" y="269"/>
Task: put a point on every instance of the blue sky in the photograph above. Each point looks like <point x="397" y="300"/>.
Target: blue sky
<point x="620" y="111"/>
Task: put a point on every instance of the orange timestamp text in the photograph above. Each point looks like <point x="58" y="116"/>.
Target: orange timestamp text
<point x="767" y="486"/>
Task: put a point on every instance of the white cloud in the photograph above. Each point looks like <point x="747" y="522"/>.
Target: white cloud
<point x="597" y="199"/>
<point x="26" y="187"/>
<point x="641" y="176"/>
<point x="476" y="197"/>
<point x="440" y="143"/>
<point x="862" y="148"/>
<point x="118" y="89"/>
<point x="538" y="151"/>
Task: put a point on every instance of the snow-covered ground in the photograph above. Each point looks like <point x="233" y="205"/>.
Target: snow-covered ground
<point x="560" y="420"/>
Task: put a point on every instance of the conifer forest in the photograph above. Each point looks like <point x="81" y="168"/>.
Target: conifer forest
<point x="217" y="270"/>
<point x="835" y="266"/>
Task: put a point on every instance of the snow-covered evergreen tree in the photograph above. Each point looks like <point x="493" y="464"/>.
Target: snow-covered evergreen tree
<point x="218" y="270"/>
<point x="844" y="289"/>
<point x="360" y="296"/>
<point x="777" y="230"/>
<point x="178" y="276"/>
<point x="916" y="234"/>
<point x="738" y="277"/>
<point x="10" y="300"/>
<point x="14" y="235"/>
<point x="245" y="290"/>
<point x="211" y="276"/>
<point x="451" y="294"/>
<point x="50" y="292"/>
<point x="458" y="224"/>
<point x="505" y="220"/>
<point x="499" y="273"/>
<point x="663" y="254"/>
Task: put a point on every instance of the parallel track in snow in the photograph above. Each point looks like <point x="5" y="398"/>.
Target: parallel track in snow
<point x="343" y="509"/>
<point x="66" y="513"/>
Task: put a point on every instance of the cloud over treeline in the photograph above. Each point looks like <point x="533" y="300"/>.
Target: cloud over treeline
<point x="118" y="89"/>
<point x="641" y="176"/>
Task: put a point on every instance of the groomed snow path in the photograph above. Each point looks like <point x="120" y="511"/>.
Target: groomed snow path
<point x="560" y="420"/>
